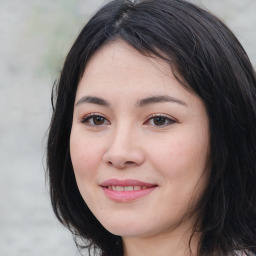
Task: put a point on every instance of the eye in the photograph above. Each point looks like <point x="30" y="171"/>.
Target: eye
<point x="160" y="120"/>
<point x="95" y="120"/>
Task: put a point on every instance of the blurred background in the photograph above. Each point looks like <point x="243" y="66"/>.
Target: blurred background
<point x="35" y="37"/>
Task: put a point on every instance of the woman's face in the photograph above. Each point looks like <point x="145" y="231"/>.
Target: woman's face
<point x="139" y="143"/>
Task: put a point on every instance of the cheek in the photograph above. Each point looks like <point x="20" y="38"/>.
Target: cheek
<point x="84" y="155"/>
<point x="182" y="155"/>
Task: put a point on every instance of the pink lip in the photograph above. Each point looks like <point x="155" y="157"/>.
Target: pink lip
<point x="125" y="183"/>
<point x="126" y="196"/>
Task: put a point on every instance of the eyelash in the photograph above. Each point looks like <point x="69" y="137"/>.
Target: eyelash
<point x="86" y="120"/>
<point x="89" y="120"/>
<point x="167" y="120"/>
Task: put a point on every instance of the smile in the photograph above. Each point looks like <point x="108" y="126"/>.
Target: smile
<point x="126" y="190"/>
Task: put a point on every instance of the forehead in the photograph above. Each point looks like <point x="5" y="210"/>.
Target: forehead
<point x="119" y="69"/>
<point x="119" y="54"/>
<point x="121" y="63"/>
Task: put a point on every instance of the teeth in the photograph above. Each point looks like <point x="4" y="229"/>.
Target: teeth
<point x="127" y="188"/>
<point x="118" y="188"/>
<point x="130" y="188"/>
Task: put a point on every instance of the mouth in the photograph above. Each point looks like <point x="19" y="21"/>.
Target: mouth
<point x="126" y="190"/>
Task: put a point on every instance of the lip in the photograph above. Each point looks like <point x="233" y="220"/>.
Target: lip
<point x="126" y="196"/>
<point x="124" y="183"/>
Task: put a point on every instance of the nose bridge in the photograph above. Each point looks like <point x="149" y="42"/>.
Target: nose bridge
<point x="123" y="136"/>
<point x="124" y="149"/>
<point x="123" y="142"/>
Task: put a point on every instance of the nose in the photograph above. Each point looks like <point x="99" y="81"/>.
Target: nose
<point x="124" y="150"/>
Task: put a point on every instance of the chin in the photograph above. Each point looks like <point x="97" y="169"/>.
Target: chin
<point x="127" y="229"/>
<point x="131" y="229"/>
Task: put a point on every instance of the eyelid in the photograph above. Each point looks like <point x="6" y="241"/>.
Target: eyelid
<point x="170" y="120"/>
<point x="86" y="117"/>
<point x="168" y="117"/>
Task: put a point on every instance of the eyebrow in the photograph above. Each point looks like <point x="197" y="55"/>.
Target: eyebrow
<point x="159" y="99"/>
<point x="93" y="100"/>
<point x="140" y="103"/>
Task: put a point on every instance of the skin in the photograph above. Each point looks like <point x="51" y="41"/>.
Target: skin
<point x="127" y="142"/>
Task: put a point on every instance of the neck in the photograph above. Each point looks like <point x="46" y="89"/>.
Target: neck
<point x="177" y="244"/>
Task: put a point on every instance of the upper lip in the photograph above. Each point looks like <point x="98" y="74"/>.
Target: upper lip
<point x="125" y="183"/>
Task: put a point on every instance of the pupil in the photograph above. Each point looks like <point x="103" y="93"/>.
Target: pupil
<point x="98" y="120"/>
<point x="159" y="120"/>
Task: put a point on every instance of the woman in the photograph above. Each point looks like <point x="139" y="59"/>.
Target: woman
<point x="151" y="148"/>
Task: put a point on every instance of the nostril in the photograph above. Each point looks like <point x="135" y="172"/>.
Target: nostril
<point x="121" y="165"/>
<point x="109" y="163"/>
<point x="129" y="163"/>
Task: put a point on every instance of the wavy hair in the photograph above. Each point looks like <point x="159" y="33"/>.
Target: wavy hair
<point x="211" y="63"/>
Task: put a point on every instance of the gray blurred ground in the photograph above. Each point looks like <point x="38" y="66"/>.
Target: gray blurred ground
<point x="35" y="35"/>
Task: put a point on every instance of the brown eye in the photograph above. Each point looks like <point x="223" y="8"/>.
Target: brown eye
<point x="95" y="120"/>
<point x="98" y="120"/>
<point x="159" y="120"/>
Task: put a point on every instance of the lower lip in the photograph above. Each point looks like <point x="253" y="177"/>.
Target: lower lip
<point x="126" y="196"/>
